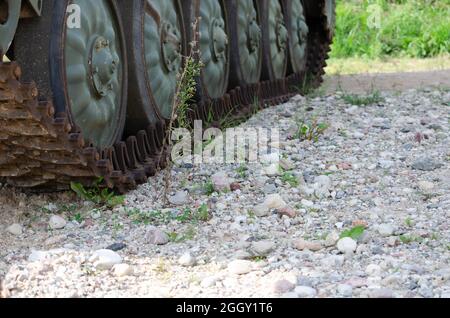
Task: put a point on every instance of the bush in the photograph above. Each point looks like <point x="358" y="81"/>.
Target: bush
<point x="413" y="28"/>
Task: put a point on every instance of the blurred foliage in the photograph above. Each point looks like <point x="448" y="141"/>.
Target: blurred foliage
<point x="407" y="28"/>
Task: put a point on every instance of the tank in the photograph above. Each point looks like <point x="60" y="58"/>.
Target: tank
<point x="87" y="86"/>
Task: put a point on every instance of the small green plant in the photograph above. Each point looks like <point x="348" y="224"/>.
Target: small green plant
<point x="208" y="188"/>
<point x="310" y="130"/>
<point x="97" y="194"/>
<point x="408" y="239"/>
<point x="409" y="222"/>
<point x="289" y="178"/>
<point x="354" y="233"/>
<point x="188" y="235"/>
<point x="242" y="171"/>
<point x="363" y="100"/>
<point x="78" y="218"/>
<point x="258" y="259"/>
<point x="202" y="213"/>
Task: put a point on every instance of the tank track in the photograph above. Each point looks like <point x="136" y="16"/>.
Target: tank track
<point x="41" y="151"/>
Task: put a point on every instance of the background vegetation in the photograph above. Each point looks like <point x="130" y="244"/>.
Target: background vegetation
<point x="409" y="28"/>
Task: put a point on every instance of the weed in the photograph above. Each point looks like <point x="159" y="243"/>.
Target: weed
<point x="354" y="233"/>
<point x="97" y="194"/>
<point x="363" y="100"/>
<point x="310" y="130"/>
<point x="242" y="171"/>
<point x="409" y="222"/>
<point x="408" y="239"/>
<point x="188" y="235"/>
<point x="208" y="188"/>
<point x="289" y="178"/>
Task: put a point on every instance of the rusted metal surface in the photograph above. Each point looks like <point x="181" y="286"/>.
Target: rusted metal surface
<point x="38" y="148"/>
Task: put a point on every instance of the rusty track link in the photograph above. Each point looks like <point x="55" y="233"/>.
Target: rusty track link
<point x="41" y="150"/>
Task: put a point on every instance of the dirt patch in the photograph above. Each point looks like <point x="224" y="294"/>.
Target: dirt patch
<point x="362" y="83"/>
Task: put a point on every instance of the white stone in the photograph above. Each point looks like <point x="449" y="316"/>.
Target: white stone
<point x="105" y="259"/>
<point x="180" y="198"/>
<point x="274" y="201"/>
<point x="209" y="282"/>
<point x="373" y="270"/>
<point x="240" y="267"/>
<point x="345" y="290"/>
<point x="426" y="186"/>
<point x="57" y="222"/>
<point x="263" y="248"/>
<point x="156" y="236"/>
<point x="122" y="270"/>
<point x="187" y="260"/>
<point x="272" y="170"/>
<point x="331" y="239"/>
<point x="221" y="182"/>
<point x="305" y="292"/>
<point x="37" y="256"/>
<point x="386" y="230"/>
<point x="261" y="210"/>
<point x="15" y="229"/>
<point x="307" y="203"/>
<point x="347" y="245"/>
<point x="322" y="186"/>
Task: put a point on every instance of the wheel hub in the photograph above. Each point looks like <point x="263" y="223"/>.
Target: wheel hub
<point x="282" y="35"/>
<point x="254" y="36"/>
<point x="220" y="40"/>
<point x="170" y="47"/>
<point x="103" y="66"/>
<point x="303" y="31"/>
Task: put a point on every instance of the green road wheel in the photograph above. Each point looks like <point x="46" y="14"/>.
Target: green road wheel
<point x="213" y="45"/>
<point x="155" y="50"/>
<point x="298" y="35"/>
<point x="94" y="70"/>
<point x="9" y="18"/>
<point x="83" y="66"/>
<point x="246" y="42"/>
<point x="275" y="41"/>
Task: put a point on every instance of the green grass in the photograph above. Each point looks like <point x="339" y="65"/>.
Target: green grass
<point x="354" y="233"/>
<point x="363" y="100"/>
<point x="97" y="194"/>
<point x="289" y="178"/>
<point x="413" y="28"/>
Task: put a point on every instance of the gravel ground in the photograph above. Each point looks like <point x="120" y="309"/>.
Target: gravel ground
<point x="361" y="212"/>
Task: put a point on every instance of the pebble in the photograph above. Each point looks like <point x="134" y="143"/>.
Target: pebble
<point x="116" y="247"/>
<point x="156" y="237"/>
<point x="221" y="182"/>
<point x="15" y="229"/>
<point x="187" y="260"/>
<point x="426" y="164"/>
<point x="347" y="245"/>
<point x="283" y="286"/>
<point x="305" y="292"/>
<point x="105" y="259"/>
<point x="381" y="293"/>
<point x="287" y="211"/>
<point x="180" y="198"/>
<point x="345" y="290"/>
<point x="386" y="230"/>
<point x="263" y="248"/>
<point x="307" y="245"/>
<point x="240" y="267"/>
<point x="426" y="186"/>
<point x="122" y="270"/>
<point x="272" y="170"/>
<point x="57" y="223"/>
<point x="274" y="201"/>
